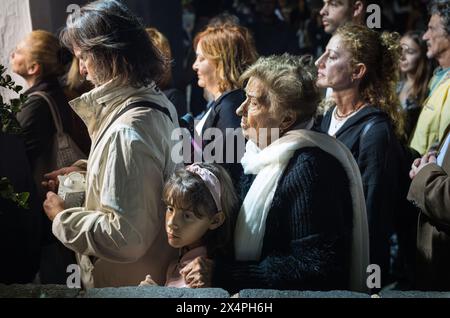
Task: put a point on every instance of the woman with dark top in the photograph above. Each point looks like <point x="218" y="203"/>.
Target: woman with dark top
<point x="223" y="53"/>
<point x="302" y="223"/>
<point x="361" y="66"/>
<point x="40" y="60"/>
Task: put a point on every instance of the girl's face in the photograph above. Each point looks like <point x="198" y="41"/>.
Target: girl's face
<point x="206" y="71"/>
<point x="334" y="66"/>
<point x="184" y="228"/>
<point x="410" y="55"/>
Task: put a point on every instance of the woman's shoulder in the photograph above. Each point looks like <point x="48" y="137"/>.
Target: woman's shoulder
<point x="232" y="99"/>
<point x="312" y="158"/>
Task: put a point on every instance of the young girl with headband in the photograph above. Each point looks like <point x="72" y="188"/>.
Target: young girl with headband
<point x="200" y="201"/>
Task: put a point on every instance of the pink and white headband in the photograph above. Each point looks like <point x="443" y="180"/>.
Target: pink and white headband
<point x="211" y="182"/>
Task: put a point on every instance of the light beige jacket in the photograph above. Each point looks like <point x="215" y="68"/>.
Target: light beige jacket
<point x="119" y="235"/>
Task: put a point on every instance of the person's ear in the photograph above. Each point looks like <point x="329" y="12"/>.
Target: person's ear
<point x="33" y="69"/>
<point x="217" y="220"/>
<point x="359" y="71"/>
<point x="288" y="121"/>
<point x="358" y="10"/>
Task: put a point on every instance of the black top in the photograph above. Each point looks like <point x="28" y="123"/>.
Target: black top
<point x="307" y="239"/>
<point x="222" y="116"/>
<point x="377" y="155"/>
<point x="36" y="119"/>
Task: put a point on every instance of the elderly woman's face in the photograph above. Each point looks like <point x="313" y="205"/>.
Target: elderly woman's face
<point x="334" y="68"/>
<point x="259" y="117"/>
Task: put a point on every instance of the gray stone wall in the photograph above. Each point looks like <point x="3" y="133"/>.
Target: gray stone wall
<point x="57" y="291"/>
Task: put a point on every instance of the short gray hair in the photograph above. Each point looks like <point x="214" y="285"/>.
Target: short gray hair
<point x="290" y="81"/>
<point x="442" y="9"/>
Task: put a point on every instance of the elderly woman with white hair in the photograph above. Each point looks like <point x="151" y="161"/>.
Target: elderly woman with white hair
<point x="302" y="224"/>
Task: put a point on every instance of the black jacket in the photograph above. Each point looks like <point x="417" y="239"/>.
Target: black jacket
<point x="377" y="155"/>
<point x="36" y="120"/>
<point x="222" y="116"/>
<point x="307" y="239"/>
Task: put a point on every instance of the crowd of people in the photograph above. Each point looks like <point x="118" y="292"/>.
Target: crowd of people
<point x="311" y="167"/>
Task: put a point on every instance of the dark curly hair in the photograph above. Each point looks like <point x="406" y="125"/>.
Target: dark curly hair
<point x="380" y="54"/>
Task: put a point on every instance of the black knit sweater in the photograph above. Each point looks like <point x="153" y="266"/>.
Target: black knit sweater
<point x="308" y="230"/>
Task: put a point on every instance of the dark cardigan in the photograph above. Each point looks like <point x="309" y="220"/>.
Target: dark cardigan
<point x="377" y="156"/>
<point x="308" y="230"/>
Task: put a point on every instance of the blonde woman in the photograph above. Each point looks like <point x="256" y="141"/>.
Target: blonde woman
<point x="40" y="60"/>
<point x="223" y="53"/>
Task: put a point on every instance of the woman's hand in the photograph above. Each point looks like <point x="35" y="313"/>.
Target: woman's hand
<point x="148" y="281"/>
<point x="198" y="273"/>
<point x="419" y="163"/>
<point x="51" y="181"/>
<point x="53" y="205"/>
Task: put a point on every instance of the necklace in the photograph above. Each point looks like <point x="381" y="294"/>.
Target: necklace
<point x="341" y="117"/>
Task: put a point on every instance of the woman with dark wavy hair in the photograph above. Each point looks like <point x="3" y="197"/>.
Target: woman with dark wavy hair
<point x="118" y="234"/>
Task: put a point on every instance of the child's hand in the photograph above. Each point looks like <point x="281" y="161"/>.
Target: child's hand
<point x="148" y="281"/>
<point x="197" y="274"/>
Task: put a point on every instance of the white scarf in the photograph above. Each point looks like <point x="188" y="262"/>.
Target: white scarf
<point x="268" y="165"/>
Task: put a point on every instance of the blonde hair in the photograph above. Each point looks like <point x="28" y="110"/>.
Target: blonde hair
<point x="162" y="44"/>
<point x="290" y="82"/>
<point x="232" y="50"/>
<point x="380" y="54"/>
<point x="187" y="190"/>
<point x="45" y="50"/>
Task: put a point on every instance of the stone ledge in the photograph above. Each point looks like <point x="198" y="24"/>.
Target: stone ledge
<point x="37" y="291"/>
<point x="413" y="294"/>
<point x="154" y="292"/>
<point x="270" y="293"/>
<point x="60" y="291"/>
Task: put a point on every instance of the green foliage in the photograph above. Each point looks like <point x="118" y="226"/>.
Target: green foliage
<point x="8" y="122"/>
<point x="9" y="125"/>
<point x="7" y="192"/>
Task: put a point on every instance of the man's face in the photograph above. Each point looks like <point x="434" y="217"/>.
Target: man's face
<point x="334" y="14"/>
<point x="86" y="66"/>
<point x="438" y="41"/>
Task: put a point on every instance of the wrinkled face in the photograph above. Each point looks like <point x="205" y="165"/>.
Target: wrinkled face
<point x="438" y="41"/>
<point x="206" y="71"/>
<point x="86" y="66"/>
<point x="258" y="115"/>
<point x="184" y="228"/>
<point x="334" y="14"/>
<point x="410" y="58"/>
<point x="334" y="67"/>
<point x="20" y="58"/>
